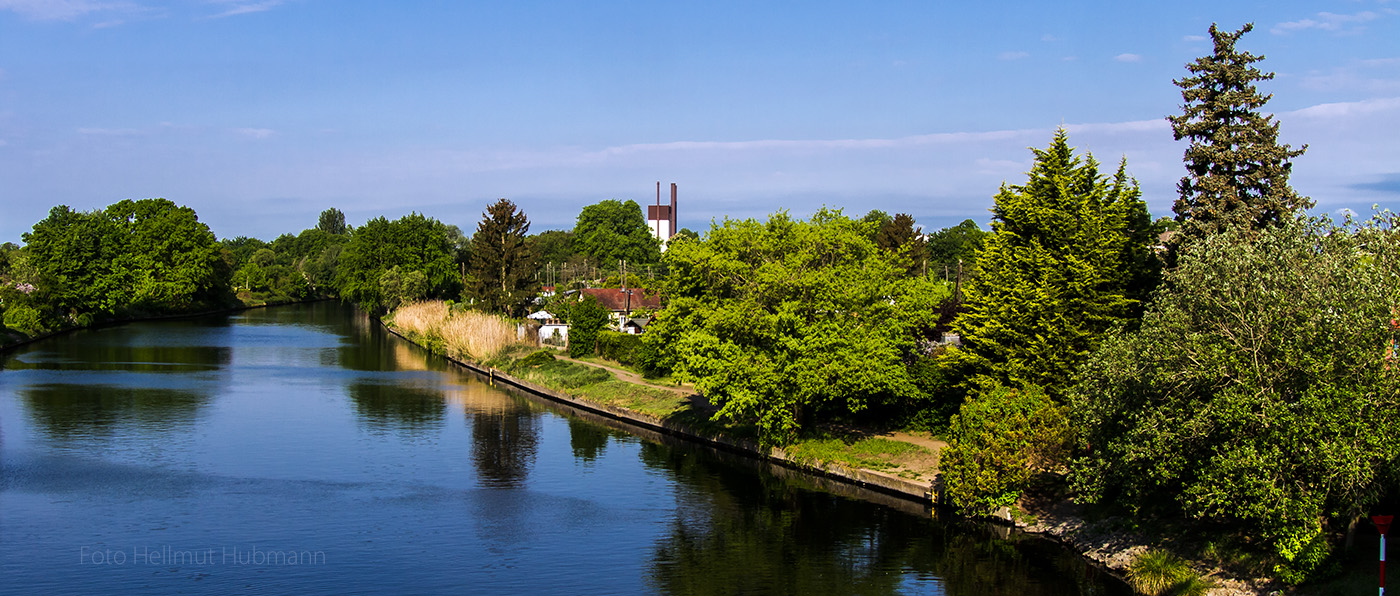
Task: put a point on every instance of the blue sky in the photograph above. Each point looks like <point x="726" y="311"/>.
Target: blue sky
<point x="260" y="114"/>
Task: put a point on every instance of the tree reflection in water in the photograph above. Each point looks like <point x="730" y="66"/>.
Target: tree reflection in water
<point x="67" y="411"/>
<point x="397" y="406"/>
<point x="589" y="440"/>
<point x="504" y="445"/>
<point x="802" y="541"/>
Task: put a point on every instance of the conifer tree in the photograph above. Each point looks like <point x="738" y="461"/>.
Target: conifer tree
<point x="502" y="261"/>
<point x="1051" y="279"/>
<point x="899" y="236"/>
<point x="1237" y="172"/>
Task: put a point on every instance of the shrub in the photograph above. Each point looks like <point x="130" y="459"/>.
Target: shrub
<point x="999" y="439"/>
<point x="24" y="319"/>
<point x="619" y="347"/>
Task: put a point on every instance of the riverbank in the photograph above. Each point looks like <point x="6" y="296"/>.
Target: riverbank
<point x="684" y="416"/>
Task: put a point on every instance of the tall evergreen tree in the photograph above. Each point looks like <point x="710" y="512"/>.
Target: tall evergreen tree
<point x="1050" y="280"/>
<point x="1237" y="172"/>
<point x="502" y="263"/>
<point x="332" y="221"/>
<point x="899" y="236"/>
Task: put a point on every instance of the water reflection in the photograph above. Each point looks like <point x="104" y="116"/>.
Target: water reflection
<point x="588" y="440"/>
<point x="177" y="351"/>
<point x="396" y="406"/>
<point x="741" y="533"/>
<point x="504" y="445"/>
<point x="66" y="411"/>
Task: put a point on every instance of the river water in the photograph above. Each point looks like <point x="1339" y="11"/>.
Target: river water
<point x="302" y="450"/>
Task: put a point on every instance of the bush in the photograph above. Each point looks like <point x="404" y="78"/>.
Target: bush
<point x="619" y="347"/>
<point x="24" y="319"/>
<point x="999" y="439"/>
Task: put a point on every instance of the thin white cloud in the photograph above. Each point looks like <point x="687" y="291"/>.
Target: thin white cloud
<point x="1327" y="21"/>
<point x="255" y="133"/>
<point x="61" y="10"/>
<point x="1048" y="38"/>
<point x="1346" y="109"/>
<point x="1013" y="55"/>
<point x="1128" y="57"/>
<point x="1194" y="38"/>
<point x="111" y="132"/>
<point x="238" y="7"/>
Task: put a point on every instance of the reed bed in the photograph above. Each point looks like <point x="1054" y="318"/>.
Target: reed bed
<point x="423" y="318"/>
<point x="468" y="334"/>
<point x="477" y="335"/>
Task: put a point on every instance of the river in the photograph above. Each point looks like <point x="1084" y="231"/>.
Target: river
<point x="303" y="450"/>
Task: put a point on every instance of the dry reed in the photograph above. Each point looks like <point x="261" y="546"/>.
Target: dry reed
<point x="468" y="334"/>
<point x="423" y="318"/>
<point x="477" y="335"/>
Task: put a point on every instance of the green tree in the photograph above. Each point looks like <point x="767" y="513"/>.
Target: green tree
<point x="412" y="243"/>
<point x="171" y="259"/>
<point x="503" y="265"/>
<point x="901" y="238"/>
<point x="611" y="230"/>
<point x="587" y="319"/>
<point x="950" y="245"/>
<point x="783" y="322"/>
<point x="1261" y="393"/>
<point x="1049" y="281"/>
<point x="1237" y="172"/>
<point x="553" y="246"/>
<point x="332" y="221"/>
<point x="74" y="254"/>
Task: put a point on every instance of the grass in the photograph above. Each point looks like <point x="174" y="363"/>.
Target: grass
<point x="1161" y="573"/>
<point x="872" y="453"/>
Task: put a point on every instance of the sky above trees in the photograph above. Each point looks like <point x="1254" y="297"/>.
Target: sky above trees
<point x="261" y="113"/>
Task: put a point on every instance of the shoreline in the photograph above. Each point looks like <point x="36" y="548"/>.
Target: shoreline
<point x="5" y="347"/>
<point x="1069" y="531"/>
<point x="880" y="482"/>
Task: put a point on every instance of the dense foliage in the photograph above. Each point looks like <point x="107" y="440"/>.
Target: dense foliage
<point x="146" y="256"/>
<point x="999" y="439"/>
<point x="783" y="322"/>
<point x="1260" y="392"/>
<point x="611" y="230"/>
<point x="1051" y="280"/>
<point x="587" y="319"/>
<point x="413" y="245"/>
<point x="1237" y="172"/>
<point x="502" y="262"/>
